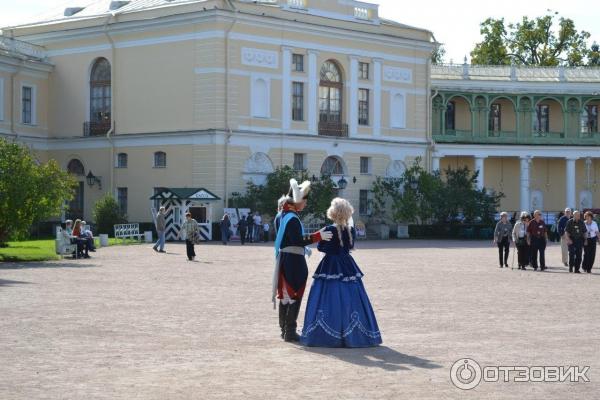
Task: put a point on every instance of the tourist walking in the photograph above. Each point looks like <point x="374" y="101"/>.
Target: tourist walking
<point x="537" y="237"/>
<point x="576" y="232"/>
<point x="591" y="241"/>
<point x="291" y="271"/>
<point x="192" y="235"/>
<point x="225" y="229"/>
<point x="243" y="228"/>
<point x="161" y="226"/>
<point x="502" y="237"/>
<point x="338" y="310"/>
<point x="256" y="235"/>
<point x="564" y="246"/>
<point x="519" y="237"/>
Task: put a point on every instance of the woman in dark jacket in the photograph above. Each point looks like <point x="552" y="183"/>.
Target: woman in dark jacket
<point x="225" y="225"/>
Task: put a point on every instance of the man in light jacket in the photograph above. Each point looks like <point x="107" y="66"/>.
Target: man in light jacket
<point x="161" y="225"/>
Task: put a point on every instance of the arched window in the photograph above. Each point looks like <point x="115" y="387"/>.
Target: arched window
<point x="122" y="160"/>
<point x="330" y="93"/>
<point x="160" y="159"/>
<point x="100" y="97"/>
<point x="75" y="167"/>
<point x="332" y="166"/>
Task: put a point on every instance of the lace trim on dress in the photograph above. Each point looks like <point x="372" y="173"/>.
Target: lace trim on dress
<point x="354" y="323"/>
<point x="338" y="276"/>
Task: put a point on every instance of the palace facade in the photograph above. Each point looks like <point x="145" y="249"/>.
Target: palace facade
<point x="202" y="96"/>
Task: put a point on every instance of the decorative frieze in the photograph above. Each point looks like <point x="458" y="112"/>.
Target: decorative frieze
<point x="260" y="58"/>
<point x="396" y="74"/>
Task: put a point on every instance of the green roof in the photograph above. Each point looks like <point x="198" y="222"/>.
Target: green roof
<point x="185" y="194"/>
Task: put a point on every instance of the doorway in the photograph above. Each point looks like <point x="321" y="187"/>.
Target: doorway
<point x="199" y="214"/>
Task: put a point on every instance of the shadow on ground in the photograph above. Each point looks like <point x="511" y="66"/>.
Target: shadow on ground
<point x="46" y="264"/>
<point x="377" y="357"/>
<point x="6" y="282"/>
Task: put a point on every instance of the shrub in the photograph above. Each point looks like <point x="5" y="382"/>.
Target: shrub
<point x="107" y="214"/>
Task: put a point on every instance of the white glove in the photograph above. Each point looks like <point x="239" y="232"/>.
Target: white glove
<point x="325" y="235"/>
<point x="308" y="252"/>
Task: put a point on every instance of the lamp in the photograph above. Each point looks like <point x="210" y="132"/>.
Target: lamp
<point x="342" y="183"/>
<point x="93" y="179"/>
<point x="354" y="180"/>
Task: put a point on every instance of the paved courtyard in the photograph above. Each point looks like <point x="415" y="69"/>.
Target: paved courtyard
<point x="133" y="324"/>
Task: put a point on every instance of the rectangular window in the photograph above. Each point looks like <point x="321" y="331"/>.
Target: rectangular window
<point x="122" y="199"/>
<point x="363" y="70"/>
<point x="177" y="215"/>
<point x="299" y="161"/>
<point x="298" y="62"/>
<point x="363" y="106"/>
<point x="26" y="105"/>
<point x="495" y="117"/>
<point x="363" y="203"/>
<point x="542" y="120"/>
<point x="122" y="160"/>
<point x="365" y="165"/>
<point x="297" y="101"/>
<point x="450" y="114"/>
<point x="589" y="119"/>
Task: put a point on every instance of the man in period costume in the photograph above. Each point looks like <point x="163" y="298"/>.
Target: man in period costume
<point x="291" y="271"/>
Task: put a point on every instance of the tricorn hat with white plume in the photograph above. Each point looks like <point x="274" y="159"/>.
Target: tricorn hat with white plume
<point x="298" y="192"/>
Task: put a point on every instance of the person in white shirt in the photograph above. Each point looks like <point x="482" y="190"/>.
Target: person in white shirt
<point x="257" y="227"/>
<point x="266" y="228"/>
<point x="590" y="243"/>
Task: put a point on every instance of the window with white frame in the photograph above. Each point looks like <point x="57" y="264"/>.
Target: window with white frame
<point x="28" y="105"/>
<point x="160" y="159"/>
<point x="365" y="165"/>
<point x="299" y="161"/>
<point x="363" y="70"/>
<point x="298" y="62"/>
<point x="297" y="101"/>
<point x="122" y="199"/>
<point x="122" y="160"/>
<point x="363" y="106"/>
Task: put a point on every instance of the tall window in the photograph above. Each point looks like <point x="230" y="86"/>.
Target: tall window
<point x="330" y="93"/>
<point x="160" y="159"/>
<point x="363" y="202"/>
<point x="26" y="104"/>
<point x="542" y="120"/>
<point x="450" y="114"/>
<point x="122" y="199"/>
<point x="299" y="161"/>
<point x="495" y="117"/>
<point x="100" y="92"/>
<point x="363" y="70"/>
<point x="298" y="101"/>
<point x="365" y="165"/>
<point x="122" y="160"/>
<point x="332" y="166"/>
<point x="363" y="106"/>
<point x="298" y="62"/>
<point x="589" y="119"/>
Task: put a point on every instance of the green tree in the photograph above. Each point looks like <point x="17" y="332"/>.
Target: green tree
<point x="107" y="214"/>
<point x="542" y="41"/>
<point x="437" y="55"/>
<point x="29" y="191"/>
<point x="594" y="55"/>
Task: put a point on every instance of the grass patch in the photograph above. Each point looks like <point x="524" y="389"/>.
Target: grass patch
<point x="43" y="250"/>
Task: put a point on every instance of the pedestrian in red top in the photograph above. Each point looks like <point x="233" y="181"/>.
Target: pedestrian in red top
<point x="537" y="237"/>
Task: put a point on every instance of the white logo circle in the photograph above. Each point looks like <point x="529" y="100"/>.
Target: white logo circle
<point x="465" y="374"/>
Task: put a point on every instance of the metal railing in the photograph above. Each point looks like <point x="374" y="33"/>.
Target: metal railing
<point x="516" y="72"/>
<point x="94" y="128"/>
<point x="336" y="129"/>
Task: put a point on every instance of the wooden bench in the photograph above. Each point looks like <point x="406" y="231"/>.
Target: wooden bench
<point x="63" y="245"/>
<point x="126" y="231"/>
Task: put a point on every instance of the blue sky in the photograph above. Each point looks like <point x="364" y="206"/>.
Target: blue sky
<point x="454" y="23"/>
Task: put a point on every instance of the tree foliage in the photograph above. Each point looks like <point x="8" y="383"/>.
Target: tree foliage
<point x="543" y="41"/>
<point x="437" y="55"/>
<point x="107" y="214"/>
<point x="29" y="191"/>
<point x="263" y="198"/>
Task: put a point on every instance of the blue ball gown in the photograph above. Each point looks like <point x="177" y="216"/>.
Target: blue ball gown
<point x="338" y="311"/>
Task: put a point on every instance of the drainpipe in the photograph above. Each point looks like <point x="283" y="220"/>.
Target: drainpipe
<point x="113" y="102"/>
<point x="13" y="100"/>
<point x="228" y="129"/>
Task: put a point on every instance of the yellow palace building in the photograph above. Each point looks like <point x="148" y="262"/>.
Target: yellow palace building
<point x="203" y="96"/>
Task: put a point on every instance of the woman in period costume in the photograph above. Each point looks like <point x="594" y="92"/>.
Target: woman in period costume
<point x="338" y="311"/>
<point x="291" y="271"/>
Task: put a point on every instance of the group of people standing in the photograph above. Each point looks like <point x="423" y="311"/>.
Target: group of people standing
<point x="530" y="236"/>
<point x="253" y="229"/>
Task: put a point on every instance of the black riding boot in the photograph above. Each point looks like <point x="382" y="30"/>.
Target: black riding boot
<point x="290" y="334"/>
<point x="283" y="308"/>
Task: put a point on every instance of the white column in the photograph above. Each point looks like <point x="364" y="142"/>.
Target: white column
<point x="313" y="87"/>
<point x="525" y="173"/>
<point x="377" y="97"/>
<point x="479" y="166"/>
<point x="353" y="88"/>
<point x="435" y="163"/>
<point x="286" y="89"/>
<point x="570" y="187"/>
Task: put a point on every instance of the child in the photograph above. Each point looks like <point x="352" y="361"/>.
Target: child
<point x="338" y="312"/>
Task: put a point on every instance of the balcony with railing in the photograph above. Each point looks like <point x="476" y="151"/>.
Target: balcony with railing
<point x="96" y="128"/>
<point x="335" y="129"/>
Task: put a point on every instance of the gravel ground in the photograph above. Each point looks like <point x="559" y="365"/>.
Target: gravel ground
<point x="134" y="324"/>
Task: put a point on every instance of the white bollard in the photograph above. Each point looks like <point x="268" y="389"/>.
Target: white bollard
<point x="148" y="236"/>
<point x="103" y="240"/>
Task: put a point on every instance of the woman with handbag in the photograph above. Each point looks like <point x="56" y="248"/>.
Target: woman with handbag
<point x="519" y="235"/>
<point x="192" y="235"/>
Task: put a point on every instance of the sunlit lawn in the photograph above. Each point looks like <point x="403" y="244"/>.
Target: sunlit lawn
<point x="41" y="250"/>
